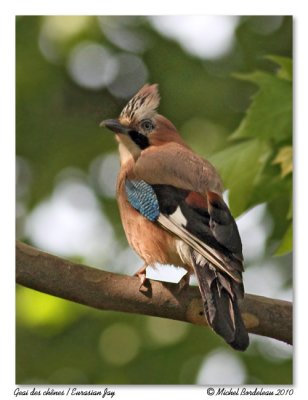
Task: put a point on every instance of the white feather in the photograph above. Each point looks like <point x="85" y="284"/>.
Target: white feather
<point x="178" y="217"/>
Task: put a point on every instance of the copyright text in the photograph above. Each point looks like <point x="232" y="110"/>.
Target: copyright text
<point x="242" y="391"/>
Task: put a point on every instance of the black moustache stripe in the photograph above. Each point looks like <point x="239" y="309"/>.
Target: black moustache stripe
<point x="141" y="140"/>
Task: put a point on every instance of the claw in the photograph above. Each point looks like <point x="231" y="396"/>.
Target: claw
<point x="141" y="274"/>
<point x="183" y="282"/>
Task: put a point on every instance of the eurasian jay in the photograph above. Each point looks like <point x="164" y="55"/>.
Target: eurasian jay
<point x="172" y="210"/>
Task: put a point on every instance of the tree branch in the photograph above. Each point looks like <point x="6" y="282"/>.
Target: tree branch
<point x="108" y="291"/>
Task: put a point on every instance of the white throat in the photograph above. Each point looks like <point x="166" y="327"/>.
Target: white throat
<point x="125" y="154"/>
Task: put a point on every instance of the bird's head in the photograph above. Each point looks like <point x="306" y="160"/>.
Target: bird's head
<point x="139" y="126"/>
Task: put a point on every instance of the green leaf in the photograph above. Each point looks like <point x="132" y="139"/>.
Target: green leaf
<point x="269" y="187"/>
<point x="286" y="243"/>
<point x="284" y="158"/>
<point x="270" y="113"/>
<point x="278" y="208"/>
<point x="240" y="167"/>
<point x="286" y="66"/>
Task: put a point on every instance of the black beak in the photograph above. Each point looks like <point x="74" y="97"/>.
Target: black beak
<point x="115" y="126"/>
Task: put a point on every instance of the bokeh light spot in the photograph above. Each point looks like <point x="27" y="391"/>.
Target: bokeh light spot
<point x="91" y="65"/>
<point x="122" y="32"/>
<point x="131" y="76"/>
<point x="71" y="223"/>
<point x="119" y="344"/>
<point x="265" y="279"/>
<point x="126" y="261"/>
<point x="61" y="27"/>
<point x="204" y="36"/>
<point x="273" y="350"/>
<point x="222" y="368"/>
<point x="253" y="232"/>
<point x="165" y="332"/>
<point x="36" y="309"/>
<point x="104" y="170"/>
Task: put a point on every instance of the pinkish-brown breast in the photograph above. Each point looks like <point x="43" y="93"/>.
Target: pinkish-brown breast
<point x="151" y="242"/>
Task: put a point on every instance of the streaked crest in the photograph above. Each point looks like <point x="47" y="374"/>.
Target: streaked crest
<point x="142" y="105"/>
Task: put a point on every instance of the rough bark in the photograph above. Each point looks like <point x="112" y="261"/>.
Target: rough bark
<point x="108" y="291"/>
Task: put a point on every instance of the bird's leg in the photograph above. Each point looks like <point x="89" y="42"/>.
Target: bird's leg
<point x="184" y="281"/>
<point x="141" y="274"/>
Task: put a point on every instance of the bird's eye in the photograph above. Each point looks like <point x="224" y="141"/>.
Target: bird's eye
<point x="147" y="125"/>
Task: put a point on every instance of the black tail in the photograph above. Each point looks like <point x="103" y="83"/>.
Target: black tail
<point x="220" y="295"/>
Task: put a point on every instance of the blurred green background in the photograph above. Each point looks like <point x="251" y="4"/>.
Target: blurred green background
<point x="73" y="72"/>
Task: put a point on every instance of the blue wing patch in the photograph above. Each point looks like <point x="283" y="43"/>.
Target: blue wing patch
<point x="142" y="197"/>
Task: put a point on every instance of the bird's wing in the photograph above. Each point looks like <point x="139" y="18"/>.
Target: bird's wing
<point x="214" y="249"/>
<point x="204" y="222"/>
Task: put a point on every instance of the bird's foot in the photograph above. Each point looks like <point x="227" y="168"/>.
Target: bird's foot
<point x="141" y="274"/>
<point x="183" y="282"/>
